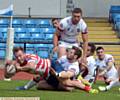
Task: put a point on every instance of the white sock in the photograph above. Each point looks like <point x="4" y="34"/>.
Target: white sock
<point x="113" y="84"/>
<point x="30" y="84"/>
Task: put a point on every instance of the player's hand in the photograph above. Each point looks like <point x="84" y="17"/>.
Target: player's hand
<point x="8" y="62"/>
<point x="18" y="68"/>
<point x="102" y="73"/>
<point x="84" y="60"/>
<point x="55" y="49"/>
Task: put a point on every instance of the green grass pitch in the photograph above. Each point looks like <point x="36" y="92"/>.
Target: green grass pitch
<point x="7" y="89"/>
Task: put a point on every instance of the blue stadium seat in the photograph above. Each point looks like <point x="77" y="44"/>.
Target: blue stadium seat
<point x="3" y="30"/>
<point x="2" y="45"/>
<point x="48" y="30"/>
<point x="29" y="45"/>
<point x="2" y="53"/>
<point x="114" y="9"/>
<point x="19" y="45"/>
<point x="23" y="37"/>
<point x="43" y="52"/>
<point x="30" y="51"/>
<point x="17" y="23"/>
<point x="44" y="23"/>
<point x="118" y="26"/>
<point x="30" y="23"/>
<point x="20" y="30"/>
<point x="49" y="36"/>
<point x="33" y="30"/>
<point x="37" y="37"/>
<point x="4" y="22"/>
<point x="117" y="18"/>
<point x="50" y="46"/>
<point x="41" y="46"/>
<point x="3" y="34"/>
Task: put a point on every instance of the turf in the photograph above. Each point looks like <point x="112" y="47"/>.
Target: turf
<point x="7" y="89"/>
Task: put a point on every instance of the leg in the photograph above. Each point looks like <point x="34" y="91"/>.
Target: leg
<point x="112" y="83"/>
<point x="44" y="85"/>
<point x="75" y="83"/>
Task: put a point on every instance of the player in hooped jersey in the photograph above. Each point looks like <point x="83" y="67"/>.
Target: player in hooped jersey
<point x="30" y="63"/>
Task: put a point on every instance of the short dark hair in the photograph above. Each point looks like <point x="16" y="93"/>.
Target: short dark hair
<point x="93" y="47"/>
<point x="78" y="52"/>
<point x="98" y="48"/>
<point x="77" y="10"/>
<point x="53" y="19"/>
<point x="16" y="49"/>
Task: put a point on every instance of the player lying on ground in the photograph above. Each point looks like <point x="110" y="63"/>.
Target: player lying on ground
<point x="106" y="69"/>
<point x="36" y="65"/>
<point x="33" y="64"/>
<point x="67" y="70"/>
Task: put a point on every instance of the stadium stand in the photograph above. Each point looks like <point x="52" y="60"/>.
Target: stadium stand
<point x="4" y="22"/>
<point x="114" y="9"/>
<point x="115" y="18"/>
<point x="36" y="34"/>
<point x="17" y="23"/>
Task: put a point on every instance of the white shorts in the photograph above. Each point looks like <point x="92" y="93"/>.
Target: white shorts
<point x="112" y="74"/>
<point x="67" y="45"/>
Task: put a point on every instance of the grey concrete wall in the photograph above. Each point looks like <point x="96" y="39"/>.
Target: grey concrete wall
<point x="57" y="8"/>
<point x="96" y="8"/>
<point x="38" y="7"/>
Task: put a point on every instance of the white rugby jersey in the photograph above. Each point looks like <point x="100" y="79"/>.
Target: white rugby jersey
<point x="70" y="31"/>
<point x="102" y="64"/>
<point x="69" y="66"/>
<point x="91" y="63"/>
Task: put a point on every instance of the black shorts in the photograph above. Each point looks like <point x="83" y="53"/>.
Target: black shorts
<point x="53" y="81"/>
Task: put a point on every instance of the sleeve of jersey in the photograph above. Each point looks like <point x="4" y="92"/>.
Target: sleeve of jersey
<point x="84" y="29"/>
<point x="92" y="63"/>
<point x="110" y="59"/>
<point x="62" y="25"/>
<point x="32" y="60"/>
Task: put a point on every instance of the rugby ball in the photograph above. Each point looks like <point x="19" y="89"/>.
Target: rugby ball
<point x="11" y="69"/>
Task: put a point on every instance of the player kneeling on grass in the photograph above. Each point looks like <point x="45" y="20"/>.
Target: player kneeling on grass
<point x="67" y="70"/>
<point x="106" y="69"/>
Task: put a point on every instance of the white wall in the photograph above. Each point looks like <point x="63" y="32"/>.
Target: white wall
<point x="38" y="7"/>
<point x="57" y="8"/>
<point x="96" y="8"/>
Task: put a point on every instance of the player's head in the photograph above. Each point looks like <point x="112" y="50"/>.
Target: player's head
<point x="76" y="15"/>
<point x="100" y="53"/>
<point x="19" y="54"/>
<point x="91" y="49"/>
<point x="55" y="22"/>
<point x="74" y="53"/>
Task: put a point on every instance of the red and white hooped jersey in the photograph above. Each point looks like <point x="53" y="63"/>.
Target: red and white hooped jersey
<point x="42" y="65"/>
